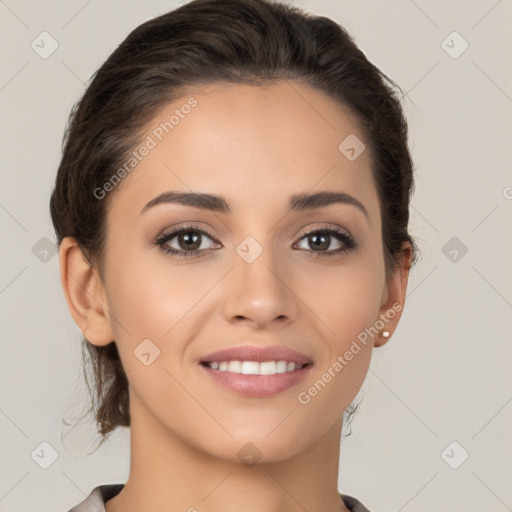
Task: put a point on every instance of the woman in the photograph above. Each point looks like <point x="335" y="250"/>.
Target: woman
<point x="232" y="208"/>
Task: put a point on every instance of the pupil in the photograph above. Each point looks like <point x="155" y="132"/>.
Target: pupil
<point x="187" y="238"/>
<point x="323" y="244"/>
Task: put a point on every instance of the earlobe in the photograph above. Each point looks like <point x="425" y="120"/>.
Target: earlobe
<point x="394" y="297"/>
<point x="85" y="294"/>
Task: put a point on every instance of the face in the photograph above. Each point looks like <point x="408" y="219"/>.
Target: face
<point x="249" y="271"/>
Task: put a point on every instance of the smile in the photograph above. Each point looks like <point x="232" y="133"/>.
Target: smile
<point x="254" y="370"/>
<point x="255" y="367"/>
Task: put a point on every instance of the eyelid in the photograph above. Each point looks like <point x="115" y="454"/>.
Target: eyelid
<point x="172" y="232"/>
<point x="324" y="227"/>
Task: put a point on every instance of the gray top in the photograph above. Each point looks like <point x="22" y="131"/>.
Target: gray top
<point x="95" y="502"/>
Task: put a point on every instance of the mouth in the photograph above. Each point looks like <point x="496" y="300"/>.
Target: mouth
<point x="255" y="368"/>
<point x="253" y="371"/>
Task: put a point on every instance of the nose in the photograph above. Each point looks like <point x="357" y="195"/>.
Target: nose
<point x="260" y="293"/>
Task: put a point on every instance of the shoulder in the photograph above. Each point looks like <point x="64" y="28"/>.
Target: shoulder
<point x="95" y="502"/>
<point x="353" y="504"/>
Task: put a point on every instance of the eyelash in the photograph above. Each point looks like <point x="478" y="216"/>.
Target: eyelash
<point x="342" y="236"/>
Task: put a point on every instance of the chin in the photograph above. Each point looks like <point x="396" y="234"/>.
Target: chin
<point x="255" y="448"/>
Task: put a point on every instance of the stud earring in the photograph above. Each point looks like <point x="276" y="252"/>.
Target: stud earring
<point x="385" y="334"/>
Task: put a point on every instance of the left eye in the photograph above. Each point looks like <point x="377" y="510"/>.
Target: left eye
<point x="320" y="240"/>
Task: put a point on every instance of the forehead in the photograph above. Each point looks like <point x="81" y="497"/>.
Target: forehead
<point x="255" y="145"/>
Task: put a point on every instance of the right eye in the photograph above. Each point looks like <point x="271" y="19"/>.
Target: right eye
<point x="189" y="241"/>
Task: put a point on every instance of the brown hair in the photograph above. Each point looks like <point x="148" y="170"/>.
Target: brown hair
<point x="215" y="41"/>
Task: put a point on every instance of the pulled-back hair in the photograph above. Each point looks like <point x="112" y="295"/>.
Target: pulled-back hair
<point x="252" y="42"/>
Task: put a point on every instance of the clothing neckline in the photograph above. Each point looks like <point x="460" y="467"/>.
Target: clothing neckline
<point x="97" y="498"/>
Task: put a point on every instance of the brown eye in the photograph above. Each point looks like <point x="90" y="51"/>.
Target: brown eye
<point x="188" y="241"/>
<point x="321" y="240"/>
<point x="184" y="242"/>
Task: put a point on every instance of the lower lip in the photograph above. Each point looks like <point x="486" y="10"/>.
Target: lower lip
<point x="258" y="386"/>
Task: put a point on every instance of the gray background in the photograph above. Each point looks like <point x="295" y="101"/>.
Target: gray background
<point x="445" y="375"/>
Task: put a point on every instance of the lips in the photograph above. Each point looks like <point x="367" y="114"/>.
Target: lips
<point x="257" y="372"/>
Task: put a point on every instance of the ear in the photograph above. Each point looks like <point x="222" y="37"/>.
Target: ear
<point x="85" y="294"/>
<point x="393" y="297"/>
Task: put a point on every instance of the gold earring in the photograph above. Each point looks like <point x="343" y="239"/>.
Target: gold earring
<point x="385" y="334"/>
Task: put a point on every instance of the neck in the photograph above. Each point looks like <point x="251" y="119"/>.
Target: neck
<point x="167" y="473"/>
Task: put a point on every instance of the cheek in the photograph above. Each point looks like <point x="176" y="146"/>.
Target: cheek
<point x="346" y="298"/>
<point x="347" y="312"/>
<point x="149" y="296"/>
<point x="155" y="307"/>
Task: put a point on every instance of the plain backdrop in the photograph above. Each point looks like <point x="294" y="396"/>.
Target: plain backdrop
<point x="439" y="392"/>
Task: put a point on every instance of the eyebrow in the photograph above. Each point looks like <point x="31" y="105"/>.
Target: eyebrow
<point x="219" y="204"/>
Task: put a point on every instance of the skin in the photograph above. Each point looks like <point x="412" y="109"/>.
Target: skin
<point x="255" y="146"/>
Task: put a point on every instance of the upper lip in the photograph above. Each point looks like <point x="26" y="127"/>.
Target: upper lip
<point x="257" y="353"/>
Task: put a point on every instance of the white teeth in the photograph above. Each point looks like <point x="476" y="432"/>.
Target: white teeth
<point x="250" y="368"/>
<point x="281" y="367"/>
<point x="235" y="367"/>
<point x="268" y="368"/>
<point x="254" y="367"/>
